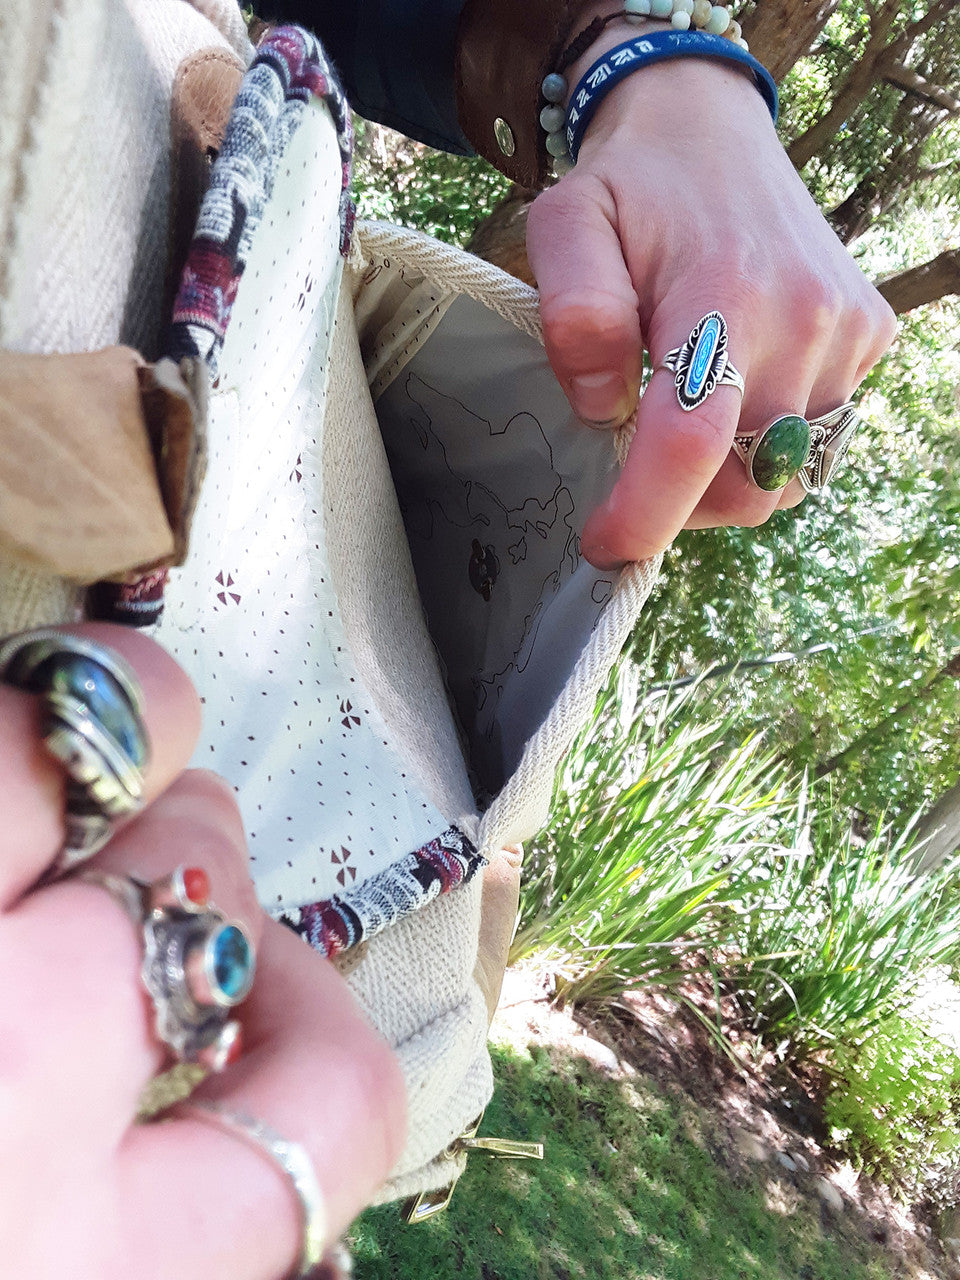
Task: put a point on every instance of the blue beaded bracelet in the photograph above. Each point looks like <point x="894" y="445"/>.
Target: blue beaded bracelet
<point x="621" y="61"/>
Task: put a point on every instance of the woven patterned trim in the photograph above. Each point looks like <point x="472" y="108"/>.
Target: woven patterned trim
<point x="289" y="70"/>
<point x="347" y="919"/>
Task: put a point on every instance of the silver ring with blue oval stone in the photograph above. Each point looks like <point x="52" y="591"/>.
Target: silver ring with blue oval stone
<point x="197" y="964"/>
<point x="91" y="723"/>
<point x="777" y="453"/>
<point x="701" y="364"/>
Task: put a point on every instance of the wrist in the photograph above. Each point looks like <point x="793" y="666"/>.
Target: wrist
<point x="711" y="79"/>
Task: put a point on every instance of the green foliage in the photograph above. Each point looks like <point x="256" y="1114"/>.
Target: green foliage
<point x="899" y="150"/>
<point x="667" y="845"/>
<point x="629" y="1190"/>
<point x="651" y="816"/>
<point x="833" y="935"/>
<point x="894" y="1101"/>
<point x="403" y="181"/>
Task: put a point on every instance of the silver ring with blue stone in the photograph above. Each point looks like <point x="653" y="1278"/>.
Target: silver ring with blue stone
<point x="92" y="724"/>
<point x="702" y="364"/>
<point x="197" y="964"/>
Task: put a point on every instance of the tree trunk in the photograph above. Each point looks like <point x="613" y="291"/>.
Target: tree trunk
<point x="782" y="31"/>
<point x="940" y="828"/>
<point x="878" y="56"/>
<point x="853" y="215"/>
<point x="924" y="283"/>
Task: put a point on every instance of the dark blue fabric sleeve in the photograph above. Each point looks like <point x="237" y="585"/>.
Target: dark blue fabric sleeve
<point x="396" y="58"/>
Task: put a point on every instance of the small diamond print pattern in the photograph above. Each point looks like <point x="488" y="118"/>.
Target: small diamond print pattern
<point x="252" y="615"/>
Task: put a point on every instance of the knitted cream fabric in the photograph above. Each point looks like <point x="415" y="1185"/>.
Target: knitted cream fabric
<point x="84" y="191"/>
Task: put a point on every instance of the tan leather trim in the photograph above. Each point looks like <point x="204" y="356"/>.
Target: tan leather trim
<point x="204" y="88"/>
<point x="174" y="403"/>
<point x="78" y="491"/>
<point x="504" y="50"/>
<point x="498" y="921"/>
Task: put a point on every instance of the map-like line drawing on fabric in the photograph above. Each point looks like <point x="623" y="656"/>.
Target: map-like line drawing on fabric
<point x="489" y="553"/>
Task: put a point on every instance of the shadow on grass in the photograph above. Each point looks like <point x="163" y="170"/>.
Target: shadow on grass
<point x="629" y="1190"/>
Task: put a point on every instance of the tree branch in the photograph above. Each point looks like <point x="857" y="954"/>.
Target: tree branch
<point x="903" y="77"/>
<point x="925" y="283"/>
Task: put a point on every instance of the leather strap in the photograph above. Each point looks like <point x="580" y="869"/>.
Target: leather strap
<point x="504" y="50"/>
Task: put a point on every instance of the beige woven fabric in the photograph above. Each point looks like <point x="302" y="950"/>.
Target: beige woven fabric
<point x="83" y="219"/>
<point x="84" y="191"/>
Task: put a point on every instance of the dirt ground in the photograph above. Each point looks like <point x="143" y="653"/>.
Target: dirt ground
<point x="750" y="1113"/>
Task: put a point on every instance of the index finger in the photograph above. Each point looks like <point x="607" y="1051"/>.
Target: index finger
<point x="673" y="457"/>
<point x="33" y="783"/>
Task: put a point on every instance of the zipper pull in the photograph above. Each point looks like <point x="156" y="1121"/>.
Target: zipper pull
<point x="429" y="1203"/>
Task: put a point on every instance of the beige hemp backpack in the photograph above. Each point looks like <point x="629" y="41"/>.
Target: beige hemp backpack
<point x="450" y="477"/>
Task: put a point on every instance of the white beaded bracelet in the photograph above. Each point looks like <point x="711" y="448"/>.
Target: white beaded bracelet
<point x="683" y="15"/>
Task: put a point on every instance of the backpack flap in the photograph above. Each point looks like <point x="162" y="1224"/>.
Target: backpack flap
<point x="495" y="478"/>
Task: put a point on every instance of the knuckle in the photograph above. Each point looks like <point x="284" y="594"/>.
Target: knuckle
<point x="815" y="307"/>
<point x="578" y="329"/>
<point x="884" y="324"/>
<point x="698" y="443"/>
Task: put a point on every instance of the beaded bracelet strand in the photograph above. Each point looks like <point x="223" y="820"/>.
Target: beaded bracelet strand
<point x="682" y="15"/>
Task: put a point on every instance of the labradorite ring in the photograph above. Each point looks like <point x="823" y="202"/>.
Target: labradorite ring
<point x="701" y="364"/>
<point x="91" y="723"/>
<point x="197" y="964"/>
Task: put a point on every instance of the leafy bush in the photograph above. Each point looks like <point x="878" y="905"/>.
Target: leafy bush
<point x="894" y="1102"/>
<point x="833" y="936"/>
<point x="653" y="813"/>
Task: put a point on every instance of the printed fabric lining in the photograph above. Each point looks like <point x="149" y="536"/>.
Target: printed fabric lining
<point x="253" y="190"/>
<point x="289" y="69"/>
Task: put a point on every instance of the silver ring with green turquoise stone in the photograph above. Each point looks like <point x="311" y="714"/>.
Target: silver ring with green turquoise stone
<point x="775" y="455"/>
<point x="197" y="964"/>
<point x="92" y="724"/>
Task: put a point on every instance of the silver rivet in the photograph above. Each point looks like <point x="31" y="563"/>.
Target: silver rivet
<point x="504" y="135"/>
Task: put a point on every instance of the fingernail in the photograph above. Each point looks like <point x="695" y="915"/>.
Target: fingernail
<point x="601" y="558"/>
<point x="601" y="399"/>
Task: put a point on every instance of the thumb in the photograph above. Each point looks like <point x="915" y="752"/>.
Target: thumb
<point x="588" y="305"/>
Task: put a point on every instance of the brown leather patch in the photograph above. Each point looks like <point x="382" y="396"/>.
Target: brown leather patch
<point x="174" y="408"/>
<point x="78" y="489"/>
<point x="504" y="49"/>
<point x="204" y="88"/>
<point x="346" y="961"/>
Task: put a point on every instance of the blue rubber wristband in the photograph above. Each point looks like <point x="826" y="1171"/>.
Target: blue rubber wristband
<point x="621" y="61"/>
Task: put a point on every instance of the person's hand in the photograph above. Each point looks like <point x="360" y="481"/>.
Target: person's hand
<point x="85" y="1191"/>
<point x="683" y="202"/>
